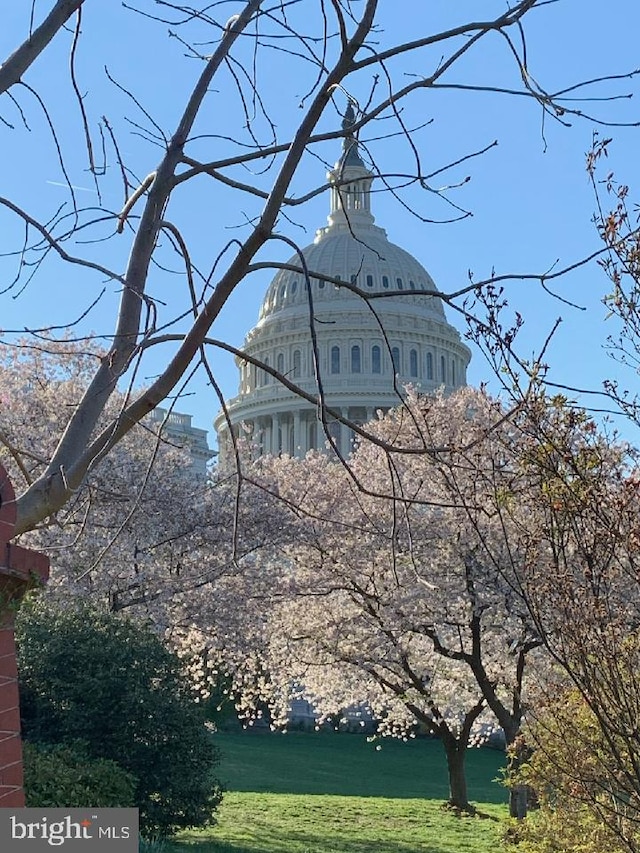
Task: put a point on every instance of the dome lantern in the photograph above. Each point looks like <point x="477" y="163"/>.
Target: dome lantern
<point x="350" y="182"/>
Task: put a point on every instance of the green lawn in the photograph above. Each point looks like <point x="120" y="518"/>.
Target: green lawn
<point x="322" y="793"/>
<point x="348" y="765"/>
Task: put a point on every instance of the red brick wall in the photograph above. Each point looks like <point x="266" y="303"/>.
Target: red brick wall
<point x="19" y="567"/>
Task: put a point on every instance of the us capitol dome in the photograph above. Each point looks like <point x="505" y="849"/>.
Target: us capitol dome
<point x="367" y="349"/>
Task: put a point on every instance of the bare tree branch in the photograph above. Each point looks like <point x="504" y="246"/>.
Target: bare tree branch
<point x="14" y="67"/>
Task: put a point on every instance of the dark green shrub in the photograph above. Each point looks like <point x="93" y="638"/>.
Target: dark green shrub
<point x="65" y="777"/>
<point x="88" y="675"/>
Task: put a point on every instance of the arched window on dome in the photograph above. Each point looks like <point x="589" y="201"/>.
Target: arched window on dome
<point x="385" y="281"/>
<point x="294" y="286"/>
<point x="443" y="369"/>
<point x="297" y="359"/>
<point x="376" y="359"/>
<point x="280" y="363"/>
<point x="430" y="366"/>
<point x="413" y="364"/>
<point x="321" y="284"/>
<point x="412" y="285"/>
<point x="353" y="278"/>
<point x="356" y="361"/>
<point x="395" y="358"/>
<point x="283" y="290"/>
<point x="335" y="359"/>
<point x="369" y="281"/>
<point x="399" y="283"/>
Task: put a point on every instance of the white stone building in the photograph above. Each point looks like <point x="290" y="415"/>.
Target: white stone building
<point x="364" y="346"/>
<point x="177" y="429"/>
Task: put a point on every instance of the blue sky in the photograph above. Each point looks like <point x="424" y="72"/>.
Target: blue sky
<point x="530" y="198"/>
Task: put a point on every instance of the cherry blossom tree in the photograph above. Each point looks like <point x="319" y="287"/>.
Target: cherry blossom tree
<point x="393" y="592"/>
<point x="427" y="582"/>
<point x="143" y="531"/>
<point x="137" y="264"/>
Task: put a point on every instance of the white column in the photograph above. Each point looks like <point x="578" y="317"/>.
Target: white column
<point x="312" y="432"/>
<point x="266" y="435"/>
<point x="345" y="434"/>
<point x="298" y="450"/>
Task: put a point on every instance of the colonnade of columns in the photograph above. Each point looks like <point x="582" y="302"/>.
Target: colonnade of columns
<point x="300" y="430"/>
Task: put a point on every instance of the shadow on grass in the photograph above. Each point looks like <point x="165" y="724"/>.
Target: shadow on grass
<point x="277" y="823"/>
<point x="305" y="842"/>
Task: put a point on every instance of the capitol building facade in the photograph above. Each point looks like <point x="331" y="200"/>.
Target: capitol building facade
<point x="354" y="317"/>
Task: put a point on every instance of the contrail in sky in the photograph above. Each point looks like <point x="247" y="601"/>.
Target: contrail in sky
<point x="73" y="186"/>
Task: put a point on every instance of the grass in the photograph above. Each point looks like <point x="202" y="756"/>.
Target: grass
<point x="348" y="765"/>
<point x="305" y="793"/>
<point x="296" y="823"/>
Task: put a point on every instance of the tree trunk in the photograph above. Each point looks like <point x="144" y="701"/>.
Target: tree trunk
<point x="456" y="755"/>
<point x="518" y="753"/>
